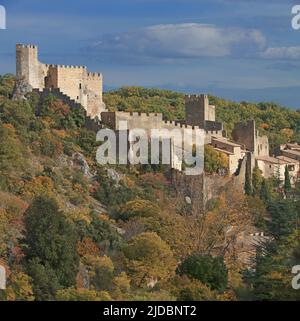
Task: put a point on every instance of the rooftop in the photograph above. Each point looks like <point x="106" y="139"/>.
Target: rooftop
<point x="288" y="159"/>
<point x="225" y="141"/>
<point x="293" y="152"/>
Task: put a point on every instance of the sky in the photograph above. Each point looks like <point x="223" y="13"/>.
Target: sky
<point x="236" y="49"/>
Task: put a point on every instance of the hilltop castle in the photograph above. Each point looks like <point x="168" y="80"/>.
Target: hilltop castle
<point x="78" y="87"/>
<point x="85" y="88"/>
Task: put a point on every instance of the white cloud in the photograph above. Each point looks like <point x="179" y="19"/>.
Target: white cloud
<point x="281" y="53"/>
<point x="185" y="41"/>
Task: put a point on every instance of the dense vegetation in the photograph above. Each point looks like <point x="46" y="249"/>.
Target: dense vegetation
<point x="71" y="230"/>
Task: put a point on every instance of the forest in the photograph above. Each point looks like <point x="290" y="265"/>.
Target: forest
<point x="72" y="230"/>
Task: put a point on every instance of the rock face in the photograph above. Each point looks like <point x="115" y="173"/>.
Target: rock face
<point x="21" y="89"/>
<point x="80" y="160"/>
<point x="114" y="175"/>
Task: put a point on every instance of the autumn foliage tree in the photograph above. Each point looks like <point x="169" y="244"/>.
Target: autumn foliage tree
<point x="149" y="258"/>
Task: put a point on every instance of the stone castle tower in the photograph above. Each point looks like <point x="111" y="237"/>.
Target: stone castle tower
<point x="198" y="110"/>
<point x="83" y="87"/>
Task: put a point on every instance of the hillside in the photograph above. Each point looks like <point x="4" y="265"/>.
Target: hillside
<point x="71" y="229"/>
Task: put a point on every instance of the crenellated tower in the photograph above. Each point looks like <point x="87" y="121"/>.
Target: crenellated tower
<point x="83" y="87"/>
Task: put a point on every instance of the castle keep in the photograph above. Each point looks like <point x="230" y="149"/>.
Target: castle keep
<point x="83" y="87"/>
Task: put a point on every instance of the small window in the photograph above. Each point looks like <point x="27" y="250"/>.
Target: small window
<point x="80" y="86"/>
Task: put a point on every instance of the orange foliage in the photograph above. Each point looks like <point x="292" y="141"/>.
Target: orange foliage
<point x="87" y="247"/>
<point x="264" y="126"/>
<point x="37" y="186"/>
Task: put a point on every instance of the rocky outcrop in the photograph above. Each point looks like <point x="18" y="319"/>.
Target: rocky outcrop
<point x="80" y="160"/>
<point x="21" y="89"/>
<point x="114" y="175"/>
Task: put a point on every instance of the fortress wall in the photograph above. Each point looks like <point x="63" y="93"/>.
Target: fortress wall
<point x="144" y="121"/>
<point x="109" y="119"/>
<point x="262" y="145"/>
<point x="94" y="103"/>
<point x="140" y="120"/>
<point x="51" y="80"/>
<point x="69" y="80"/>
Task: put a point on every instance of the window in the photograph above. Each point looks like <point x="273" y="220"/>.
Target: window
<point x="80" y="86"/>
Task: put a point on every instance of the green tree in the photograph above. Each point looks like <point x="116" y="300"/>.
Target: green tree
<point x="213" y="160"/>
<point x="211" y="271"/>
<point x="257" y="180"/>
<point x="284" y="217"/>
<point x="287" y="180"/>
<point x="50" y="244"/>
<point x="248" y="185"/>
<point x="266" y="193"/>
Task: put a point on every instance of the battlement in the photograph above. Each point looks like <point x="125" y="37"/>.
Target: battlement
<point x="139" y="114"/>
<point x="180" y="125"/>
<point x="69" y="67"/>
<point x="26" y="46"/>
<point x="195" y="98"/>
<point x="94" y="75"/>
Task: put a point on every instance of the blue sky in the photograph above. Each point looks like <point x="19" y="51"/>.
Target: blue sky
<point x="238" y="49"/>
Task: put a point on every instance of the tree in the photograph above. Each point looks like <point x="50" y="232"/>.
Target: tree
<point x="11" y="151"/>
<point x="138" y="208"/>
<point x="257" y="180"/>
<point x="272" y="277"/>
<point x="19" y="288"/>
<point x="149" y="258"/>
<point x="188" y="289"/>
<point x="207" y="269"/>
<point x="266" y="191"/>
<point x="248" y="185"/>
<point x="73" y="294"/>
<point x="284" y="216"/>
<point x="287" y="180"/>
<point x="50" y="245"/>
<point x="214" y="160"/>
<point x="100" y="271"/>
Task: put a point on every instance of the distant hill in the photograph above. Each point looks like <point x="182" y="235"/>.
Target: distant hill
<point x="279" y="123"/>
